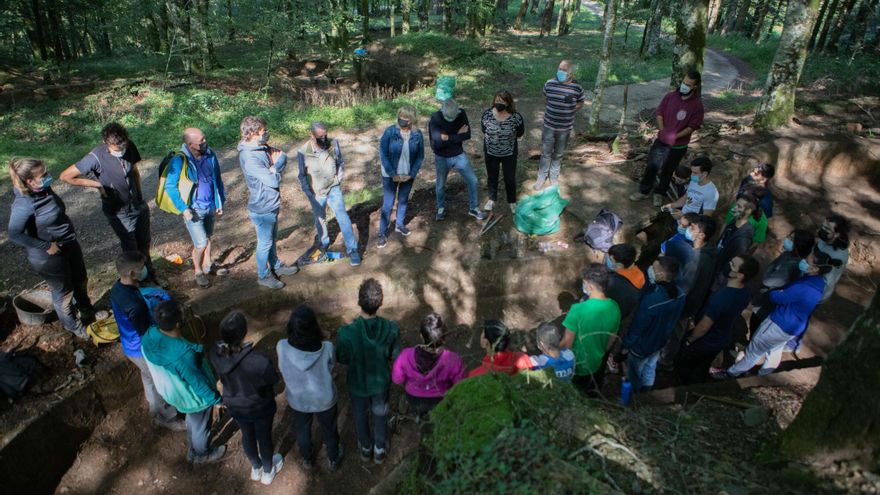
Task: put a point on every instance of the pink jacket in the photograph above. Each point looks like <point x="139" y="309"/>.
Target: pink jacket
<point x="448" y="371"/>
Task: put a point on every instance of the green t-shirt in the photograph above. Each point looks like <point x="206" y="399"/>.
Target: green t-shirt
<point x="593" y="322"/>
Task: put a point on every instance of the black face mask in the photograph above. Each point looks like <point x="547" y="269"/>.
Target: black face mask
<point x="404" y="124"/>
<point x="203" y="148"/>
<point x="323" y="142"/>
<point x="500" y="107"/>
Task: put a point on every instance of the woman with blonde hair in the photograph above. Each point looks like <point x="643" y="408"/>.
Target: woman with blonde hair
<point x="401" y="153"/>
<point x="38" y="222"/>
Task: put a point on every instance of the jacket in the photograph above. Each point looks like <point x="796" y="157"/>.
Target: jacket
<point x="175" y="167"/>
<point x="264" y="195"/>
<point x="37" y="220"/>
<point x="367" y="346"/>
<point x="306" y="182"/>
<point x="508" y="362"/>
<point x="308" y="377"/>
<point x="180" y="371"/>
<point x="735" y="241"/>
<point x="439" y="125"/>
<point x="782" y="271"/>
<point x="654" y="320"/>
<point x="705" y="275"/>
<point x="248" y="378"/>
<point x="448" y="371"/>
<point x="132" y="315"/>
<point x="795" y="303"/>
<point x="390" y="146"/>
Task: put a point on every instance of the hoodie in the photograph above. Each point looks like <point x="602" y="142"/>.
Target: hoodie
<point x="367" y="346"/>
<point x="508" y="362"/>
<point x="308" y="377"/>
<point x="264" y="195"/>
<point x="654" y="320"/>
<point x="180" y="371"/>
<point x="795" y="302"/>
<point x="248" y="378"/>
<point x="448" y="370"/>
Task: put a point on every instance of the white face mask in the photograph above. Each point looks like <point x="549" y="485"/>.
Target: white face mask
<point x="684" y="89"/>
<point x="118" y="154"/>
<point x="143" y="274"/>
<point x="585" y="288"/>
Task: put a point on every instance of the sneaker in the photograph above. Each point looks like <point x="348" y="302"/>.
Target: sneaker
<point x="476" y="214"/>
<point x="214" y="455"/>
<point x="441" y="215"/>
<point x="286" y="270"/>
<point x="719" y="373"/>
<point x="513" y="208"/>
<point x="489" y="205"/>
<point x="173" y="425"/>
<point x="539" y="184"/>
<point x="381" y="241"/>
<point x="277" y="464"/>
<point x="354" y="258"/>
<point x="271" y="282"/>
<point x="334" y="464"/>
<point x="379" y="456"/>
<point x="255" y="473"/>
<point x="637" y="196"/>
<point x="366" y="454"/>
<point x="80" y="333"/>
<point x="402" y="230"/>
<point x="202" y="280"/>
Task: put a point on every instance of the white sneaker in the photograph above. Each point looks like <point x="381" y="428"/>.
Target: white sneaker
<point x="277" y="464"/>
<point x="256" y="473"/>
<point x="489" y="205"/>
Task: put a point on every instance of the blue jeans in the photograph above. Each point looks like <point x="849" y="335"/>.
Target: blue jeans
<point x="201" y="227"/>
<point x="552" y="147"/>
<point x="462" y="165"/>
<point x="391" y="190"/>
<point x="641" y="371"/>
<point x="266" y="225"/>
<point x="337" y="203"/>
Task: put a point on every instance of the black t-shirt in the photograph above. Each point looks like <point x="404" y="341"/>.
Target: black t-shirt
<point x="724" y="307"/>
<point x="624" y="293"/>
<point x="122" y="188"/>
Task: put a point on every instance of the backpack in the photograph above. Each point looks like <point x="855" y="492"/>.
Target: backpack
<point x="186" y="184"/>
<point x="599" y="234"/>
<point x="15" y="373"/>
<point x="104" y="331"/>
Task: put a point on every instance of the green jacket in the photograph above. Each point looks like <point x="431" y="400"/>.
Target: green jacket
<point x="368" y="347"/>
<point x="180" y="371"/>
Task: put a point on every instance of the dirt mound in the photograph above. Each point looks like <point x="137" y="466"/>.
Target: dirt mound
<point x="395" y="68"/>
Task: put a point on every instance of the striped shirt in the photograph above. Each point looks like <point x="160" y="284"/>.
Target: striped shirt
<point x="562" y="100"/>
<point x="500" y="136"/>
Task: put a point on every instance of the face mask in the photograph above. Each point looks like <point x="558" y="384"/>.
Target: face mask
<point x="689" y="235"/>
<point x="695" y="179"/>
<point x="803" y="266"/>
<point x="585" y="289"/>
<point x="203" y="148"/>
<point x="47" y="179"/>
<point x="609" y="263"/>
<point x="143" y="274"/>
<point x="501" y="107"/>
<point x="824" y="235"/>
<point x="264" y="137"/>
<point x="684" y="89"/>
<point x="682" y="230"/>
<point x="651" y="276"/>
<point x="323" y="142"/>
<point x="118" y="154"/>
<point x="737" y="213"/>
<point x="403" y="124"/>
<point x="561" y="75"/>
<point x="448" y="118"/>
<point x="788" y="245"/>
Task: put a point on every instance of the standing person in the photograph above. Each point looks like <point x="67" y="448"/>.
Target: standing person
<point x="429" y="370"/>
<point x="701" y="232"/>
<point x="625" y="283"/>
<point x="589" y="328"/>
<point x="495" y="341"/>
<point x="206" y="200"/>
<point x="306" y="361"/>
<point x="39" y="223"/>
<point x="401" y="153"/>
<point x="701" y="195"/>
<point x="114" y="165"/>
<point x="449" y="128"/>
<point x="262" y="165"/>
<point x="679" y="114"/>
<point x="321" y="169"/>
<point x="658" y="312"/>
<point x="248" y="378"/>
<point x="368" y="346"/>
<point x="834" y="242"/>
<point x="780" y="272"/>
<point x="184" y="379"/>
<point x="736" y="238"/>
<point x="502" y="126"/>
<point x="133" y="318"/>
<point x="564" y="97"/>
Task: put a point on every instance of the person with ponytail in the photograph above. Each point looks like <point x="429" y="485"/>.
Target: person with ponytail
<point x="429" y="370"/>
<point x="499" y="358"/>
<point x="39" y="223"/>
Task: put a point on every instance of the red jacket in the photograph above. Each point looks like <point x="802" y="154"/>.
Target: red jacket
<point x="502" y="362"/>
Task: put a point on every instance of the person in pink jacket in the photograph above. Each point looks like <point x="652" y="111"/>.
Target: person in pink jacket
<point x="427" y="371"/>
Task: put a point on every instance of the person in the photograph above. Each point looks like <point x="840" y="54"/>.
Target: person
<point x="449" y="128"/>
<point x="793" y="305"/>
<point x="502" y="126"/>
<point x="659" y="309"/>
<point x="736" y="238"/>
<point x="39" y="223"/>
<point x="261" y="166"/>
<point x="783" y="270"/>
<point x="681" y="228"/>
<point x="701" y="232"/>
<point x="117" y="178"/>
<point x="429" y="370"/>
<point x="834" y="241"/>
<point x="401" y="153"/>
<point x="589" y="326"/>
<point x="321" y="170"/>
<point x="759" y="220"/>
<point x="679" y="115"/>
<point x="701" y="195"/>
<point x="206" y="200"/>
<point x="134" y="318"/>
<point x="760" y="176"/>
<point x="248" y="378"/>
<point x="184" y="379"/>
<point x="680" y="180"/>
<point x="560" y="360"/>
<point x="306" y="360"/>
<point x="681" y="247"/>
<point x="625" y="282"/>
<point x="713" y="332"/>
<point x="368" y="345"/>
<point x="564" y="97"/>
<point x="495" y="341"/>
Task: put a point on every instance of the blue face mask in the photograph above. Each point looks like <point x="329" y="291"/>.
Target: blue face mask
<point x="143" y="274"/>
<point x="47" y="180"/>
<point x="788" y="245"/>
<point x="682" y="230"/>
<point x="688" y="235"/>
<point x="684" y="89"/>
<point x="803" y="266"/>
<point x="561" y="76"/>
<point x="695" y="179"/>
<point x="609" y="263"/>
<point x="651" y="276"/>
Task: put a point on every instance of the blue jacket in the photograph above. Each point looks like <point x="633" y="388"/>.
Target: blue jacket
<point x="263" y="186"/>
<point x="654" y="320"/>
<point x="180" y="371"/>
<point x="795" y="302"/>
<point x="173" y="178"/>
<point x="390" y="148"/>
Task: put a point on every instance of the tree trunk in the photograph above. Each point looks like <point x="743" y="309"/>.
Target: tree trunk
<point x="653" y="34"/>
<point x="826" y="26"/>
<point x="561" y="19"/>
<point x="570" y="12"/>
<point x="424" y="10"/>
<point x="179" y="27"/>
<point x="730" y="16"/>
<point x="777" y="105"/>
<point x="837" y="30"/>
<point x="690" y="38"/>
<point x="760" y="13"/>
<point x="62" y="49"/>
<point x="523" y="7"/>
<point x="604" y="64"/>
<point x="391" y="21"/>
<point x="32" y="17"/>
<point x="364" y="11"/>
<point x="742" y="12"/>
<point x="534" y="8"/>
<point x="714" y="13"/>
<point x="230" y="29"/>
<point x="866" y="17"/>
<point x="821" y="19"/>
<point x="859" y="17"/>
<point x="447" y="17"/>
<point x="405" y="15"/>
<point x="547" y="17"/>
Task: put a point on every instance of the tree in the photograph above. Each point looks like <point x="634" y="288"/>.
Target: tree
<point x="523" y="7"/>
<point x="777" y="105"/>
<point x="826" y="25"/>
<point x="760" y="13"/>
<point x="405" y="14"/>
<point x="547" y="17"/>
<point x="651" y="35"/>
<point x="690" y="38"/>
<point x="714" y="14"/>
<point x="742" y="14"/>
<point x="604" y="64"/>
<point x="839" y="25"/>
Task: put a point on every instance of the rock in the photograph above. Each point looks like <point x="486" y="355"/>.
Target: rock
<point x="854" y="127"/>
<point x="755" y="416"/>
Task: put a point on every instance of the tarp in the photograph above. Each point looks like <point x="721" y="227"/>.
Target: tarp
<point x="445" y="87"/>
<point x="539" y="213"/>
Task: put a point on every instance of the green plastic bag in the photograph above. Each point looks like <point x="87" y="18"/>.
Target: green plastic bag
<point x="539" y="214"/>
<point x="445" y="87"/>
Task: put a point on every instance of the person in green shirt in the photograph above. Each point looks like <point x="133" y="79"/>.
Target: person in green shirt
<point x="589" y="326"/>
<point x="368" y="345"/>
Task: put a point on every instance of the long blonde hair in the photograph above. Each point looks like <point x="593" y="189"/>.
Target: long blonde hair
<point x="21" y="170"/>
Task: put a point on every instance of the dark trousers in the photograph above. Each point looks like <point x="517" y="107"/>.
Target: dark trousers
<point x="390" y="191"/>
<point x="692" y="366"/>
<point x="132" y="227"/>
<point x="422" y="405"/>
<point x="256" y="440"/>
<point x="65" y="273"/>
<point x="662" y="160"/>
<point x="508" y="164"/>
<point x="362" y="408"/>
<point x="327" y="421"/>
<point x="591" y="384"/>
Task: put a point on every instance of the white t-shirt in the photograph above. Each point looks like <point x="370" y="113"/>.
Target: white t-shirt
<point x="832" y="277"/>
<point x="700" y="198"/>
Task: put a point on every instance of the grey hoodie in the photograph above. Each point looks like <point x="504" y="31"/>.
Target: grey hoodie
<point x="308" y="377"/>
<point x="263" y="185"/>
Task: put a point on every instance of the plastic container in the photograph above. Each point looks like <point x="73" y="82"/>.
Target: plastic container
<point x="333" y="255"/>
<point x="33" y="307"/>
<point x="626" y="390"/>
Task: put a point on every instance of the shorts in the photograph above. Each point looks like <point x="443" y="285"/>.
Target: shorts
<point x="201" y="227"/>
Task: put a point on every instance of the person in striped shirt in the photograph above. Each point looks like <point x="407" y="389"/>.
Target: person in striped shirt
<point x="564" y="97"/>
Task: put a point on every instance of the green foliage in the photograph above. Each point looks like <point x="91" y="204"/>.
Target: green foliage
<point x="445" y="48"/>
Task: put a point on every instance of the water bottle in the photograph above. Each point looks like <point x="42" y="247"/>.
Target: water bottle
<point x="626" y="390"/>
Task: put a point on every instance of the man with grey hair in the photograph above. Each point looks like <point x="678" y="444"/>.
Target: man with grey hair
<point x="564" y="97"/>
<point x="204" y="200"/>
<point x="321" y="169"/>
<point x="449" y="129"/>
